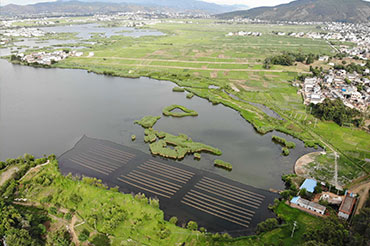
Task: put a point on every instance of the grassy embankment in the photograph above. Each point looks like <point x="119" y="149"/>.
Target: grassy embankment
<point x="199" y="54"/>
<point x="168" y="111"/>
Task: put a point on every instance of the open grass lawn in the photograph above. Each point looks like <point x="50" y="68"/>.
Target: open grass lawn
<point x="198" y="53"/>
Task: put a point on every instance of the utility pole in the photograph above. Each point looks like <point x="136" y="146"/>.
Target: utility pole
<point x="295" y="224"/>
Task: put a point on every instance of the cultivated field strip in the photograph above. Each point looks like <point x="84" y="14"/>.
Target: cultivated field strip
<point x="88" y="166"/>
<point x="257" y="196"/>
<point x="112" y="151"/>
<point x="170" y="169"/>
<point x="224" y="201"/>
<point x="163" y="174"/>
<point x="115" y="150"/>
<point x="107" y="154"/>
<point x="94" y="163"/>
<point x="166" y="172"/>
<point x="224" y="195"/>
<point x="103" y="161"/>
<point x="217" y="209"/>
<point x="233" y="193"/>
<point x="143" y="188"/>
<point x="173" y="168"/>
<point x="212" y="212"/>
<point x="156" y="178"/>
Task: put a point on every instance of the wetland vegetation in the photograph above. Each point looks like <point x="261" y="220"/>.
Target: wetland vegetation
<point x="223" y="164"/>
<point x="148" y="121"/>
<point x="182" y="111"/>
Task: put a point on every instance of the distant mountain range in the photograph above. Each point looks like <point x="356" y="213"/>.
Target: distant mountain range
<point x="84" y="7"/>
<point x="309" y="10"/>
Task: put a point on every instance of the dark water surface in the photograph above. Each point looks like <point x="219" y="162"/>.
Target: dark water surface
<point x="45" y="111"/>
<point x="214" y="202"/>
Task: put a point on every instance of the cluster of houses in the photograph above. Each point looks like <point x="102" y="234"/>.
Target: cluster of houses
<point x="335" y="85"/>
<point x="47" y="58"/>
<point x="243" y="34"/>
<point x="347" y="202"/>
<point x="22" y="32"/>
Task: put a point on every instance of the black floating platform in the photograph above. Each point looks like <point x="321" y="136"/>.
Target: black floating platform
<point x="214" y="202"/>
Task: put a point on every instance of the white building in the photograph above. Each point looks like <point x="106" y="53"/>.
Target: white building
<point x="313" y="206"/>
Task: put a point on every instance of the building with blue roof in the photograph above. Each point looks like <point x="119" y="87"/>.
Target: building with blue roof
<point x="309" y="185"/>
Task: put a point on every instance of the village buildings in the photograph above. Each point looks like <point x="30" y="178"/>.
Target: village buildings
<point x="338" y="84"/>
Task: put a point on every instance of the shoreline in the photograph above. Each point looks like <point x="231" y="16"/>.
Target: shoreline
<point x="299" y="165"/>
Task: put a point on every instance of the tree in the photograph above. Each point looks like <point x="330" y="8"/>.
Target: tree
<point x="84" y="235"/>
<point x="331" y="231"/>
<point x="267" y="225"/>
<point x="19" y="237"/>
<point x="100" y="240"/>
<point x="303" y="192"/>
<point x="173" y="220"/>
<point x="60" y="237"/>
<point x="192" y="225"/>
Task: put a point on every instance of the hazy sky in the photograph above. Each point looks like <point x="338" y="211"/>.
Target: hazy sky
<point x="250" y="3"/>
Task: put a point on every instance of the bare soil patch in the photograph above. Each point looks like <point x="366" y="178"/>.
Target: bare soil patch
<point x="299" y="167"/>
<point x="5" y="176"/>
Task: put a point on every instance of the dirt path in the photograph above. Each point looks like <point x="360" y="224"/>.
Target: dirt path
<point x="196" y="68"/>
<point x="5" y="176"/>
<point x="35" y="169"/>
<point x="362" y="190"/>
<point x="165" y="60"/>
<point x="299" y="167"/>
<point x="73" y="232"/>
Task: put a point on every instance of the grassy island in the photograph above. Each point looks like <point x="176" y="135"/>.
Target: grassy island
<point x="133" y="137"/>
<point x="285" y="151"/>
<point x="283" y="142"/>
<point x="189" y="95"/>
<point x="148" y="121"/>
<point x="168" y="111"/>
<point x="223" y="164"/>
<point x="178" y="89"/>
<point x="175" y="147"/>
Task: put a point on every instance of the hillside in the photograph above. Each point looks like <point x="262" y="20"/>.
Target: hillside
<point x="309" y="10"/>
<point x="71" y="8"/>
<point x="178" y="5"/>
<point x="87" y="7"/>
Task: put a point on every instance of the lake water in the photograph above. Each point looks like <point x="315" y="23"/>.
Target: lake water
<point x="85" y="31"/>
<point x="44" y="111"/>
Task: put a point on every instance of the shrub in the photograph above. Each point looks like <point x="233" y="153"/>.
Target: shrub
<point x="285" y="151"/>
<point x="192" y="225"/>
<point x="100" y="240"/>
<point x="267" y="225"/>
<point x="173" y="220"/>
<point x="178" y="89"/>
<point x="84" y="235"/>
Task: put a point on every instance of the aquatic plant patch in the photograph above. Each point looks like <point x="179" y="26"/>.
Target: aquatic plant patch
<point x="223" y="164"/>
<point x="148" y="121"/>
<point x="169" y="111"/>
